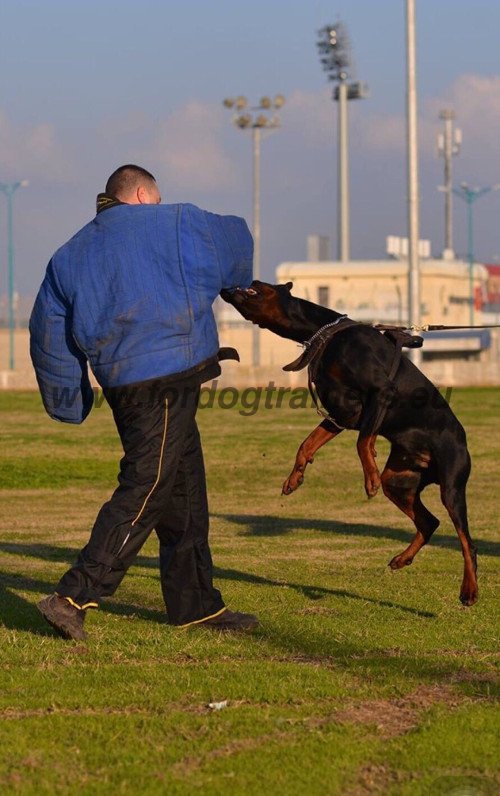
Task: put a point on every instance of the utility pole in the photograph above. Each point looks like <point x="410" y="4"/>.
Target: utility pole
<point x="449" y="143"/>
<point x="334" y="49"/>
<point x="413" y="184"/>
<point x="9" y="189"/>
<point x="470" y="196"/>
<point x="256" y="121"/>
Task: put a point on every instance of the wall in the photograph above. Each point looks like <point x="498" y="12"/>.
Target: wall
<point x="276" y="352"/>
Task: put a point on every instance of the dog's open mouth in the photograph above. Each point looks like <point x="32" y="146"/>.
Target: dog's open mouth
<point x="238" y="294"/>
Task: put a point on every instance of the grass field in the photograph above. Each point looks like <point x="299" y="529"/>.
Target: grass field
<point x="360" y="680"/>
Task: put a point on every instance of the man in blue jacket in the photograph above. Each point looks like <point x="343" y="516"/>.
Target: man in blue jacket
<point x="131" y="294"/>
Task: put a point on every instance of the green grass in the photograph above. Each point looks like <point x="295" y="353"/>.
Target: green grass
<point x="360" y="680"/>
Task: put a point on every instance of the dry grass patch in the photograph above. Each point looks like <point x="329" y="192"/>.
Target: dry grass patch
<point x="393" y="717"/>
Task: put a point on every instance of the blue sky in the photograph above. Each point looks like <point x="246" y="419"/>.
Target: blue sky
<point x="87" y="85"/>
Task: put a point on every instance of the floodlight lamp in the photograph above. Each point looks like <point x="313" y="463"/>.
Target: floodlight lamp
<point x="24" y="183"/>
<point x="261" y="121"/>
<point x="279" y="101"/>
<point x="265" y="103"/>
<point x="228" y="103"/>
<point x="241" y="102"/>
<point x="244" y="120"/>
<point x="333" y="47"/>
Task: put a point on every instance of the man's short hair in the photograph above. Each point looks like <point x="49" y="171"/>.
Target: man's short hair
<point x="126" y="179"/>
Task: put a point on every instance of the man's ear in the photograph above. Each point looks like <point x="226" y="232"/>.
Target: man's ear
<point x="142" y="195"/>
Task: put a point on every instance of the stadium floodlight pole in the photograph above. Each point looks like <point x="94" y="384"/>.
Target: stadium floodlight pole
<point x="334" y="49"/>
<point x="413" y="186"/>
<point x="9" y="189"/>
<point x="471" y="195"/>
<point x="449" y="143"/>
<point x="256" y="118"/>
<point x="343" y="232"/>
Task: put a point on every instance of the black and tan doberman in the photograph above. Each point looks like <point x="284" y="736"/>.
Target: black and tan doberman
<point x="361" y="389"/>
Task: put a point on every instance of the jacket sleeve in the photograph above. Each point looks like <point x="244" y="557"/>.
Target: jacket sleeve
<point x="234" y="246"/>
<point x="60" y="366"/>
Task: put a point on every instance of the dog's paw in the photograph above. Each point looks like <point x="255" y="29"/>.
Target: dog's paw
<point x="294" y="480"/>
<point x="372" y="483"/>
<point x="400" y="561"/>
<point x="468" y="593"/>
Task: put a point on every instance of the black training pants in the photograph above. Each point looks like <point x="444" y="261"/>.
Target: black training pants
<point x="161" y="486"/>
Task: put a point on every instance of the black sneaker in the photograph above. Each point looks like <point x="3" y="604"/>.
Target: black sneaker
<point x="64" y="617"/>
<point x="231" y="621"/>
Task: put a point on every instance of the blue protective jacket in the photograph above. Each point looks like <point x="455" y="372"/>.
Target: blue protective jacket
<point x="131" y="293"/>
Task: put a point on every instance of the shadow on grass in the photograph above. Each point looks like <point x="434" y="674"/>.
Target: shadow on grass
<point x="65" y="555"/>
<point x="264" y="525"/>
<point x="68" y="554"/>
<point x="313" y="592"/>
<point x="366" y="661"/>
<point x="17" y="613"/>
<point x="306" y="646"/>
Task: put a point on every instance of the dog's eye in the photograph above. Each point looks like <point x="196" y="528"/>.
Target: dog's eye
<point x="250" y="291"/>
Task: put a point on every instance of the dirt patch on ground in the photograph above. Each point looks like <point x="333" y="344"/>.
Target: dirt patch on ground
<point x="374" y="778"/>
<point x="472" y="677"/>
<point x="393" y="717"/>
<point x="127" y="710"/>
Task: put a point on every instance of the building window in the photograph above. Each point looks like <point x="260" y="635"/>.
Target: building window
<point x="324" y="296"/>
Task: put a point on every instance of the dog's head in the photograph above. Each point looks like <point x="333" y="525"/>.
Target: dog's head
<point x="264" y="304"/>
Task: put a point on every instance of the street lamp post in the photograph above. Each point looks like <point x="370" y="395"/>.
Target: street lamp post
<point x="256" y="119"/>
<point x="471" y="195"/>
<point x="9" y="189"/>
<point x="334" y="49"/>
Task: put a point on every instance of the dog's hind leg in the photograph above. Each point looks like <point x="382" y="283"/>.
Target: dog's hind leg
<point x="403" y="481"/>
<point x="453" y="498"/>
<point x="305" y="454"/>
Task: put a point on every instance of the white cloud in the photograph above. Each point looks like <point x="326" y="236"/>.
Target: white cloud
<point x="476" y="102"/>
<point x="311" y="116"/>
<point x="189" y="145"/>
<point x="32" y="152"/>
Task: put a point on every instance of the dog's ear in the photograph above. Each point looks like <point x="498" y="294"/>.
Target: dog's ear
<point x="289" y="286"/>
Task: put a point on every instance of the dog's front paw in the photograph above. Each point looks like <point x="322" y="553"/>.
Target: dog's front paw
<point x="294" y="480"/>
<point x="372" y="483"/>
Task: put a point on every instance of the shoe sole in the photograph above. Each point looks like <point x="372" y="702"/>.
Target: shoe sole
<point x="63" y="630"/>
<point x="229" y="628"/>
